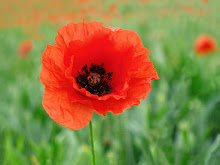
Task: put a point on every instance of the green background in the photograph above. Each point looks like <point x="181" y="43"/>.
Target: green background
<point x="178" y="123"/>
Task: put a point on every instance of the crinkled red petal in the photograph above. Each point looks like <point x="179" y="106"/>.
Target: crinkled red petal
<point x="138" y="91"/>
<point x="72" y="115"/>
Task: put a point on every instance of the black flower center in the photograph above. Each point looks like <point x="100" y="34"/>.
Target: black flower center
<point x="95" y="79"/>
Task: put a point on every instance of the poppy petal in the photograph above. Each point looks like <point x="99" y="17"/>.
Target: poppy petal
<point x="141" y="66"/>
<point x="53" y="68"/>
<point x="79" y="31"/>
<point x="72" y="115"/>
<point x="138" y="91"/>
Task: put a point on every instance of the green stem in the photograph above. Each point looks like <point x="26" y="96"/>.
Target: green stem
<point x="92" y="143"/>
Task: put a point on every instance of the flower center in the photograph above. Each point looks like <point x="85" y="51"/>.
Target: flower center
<point x="95" y="79"/>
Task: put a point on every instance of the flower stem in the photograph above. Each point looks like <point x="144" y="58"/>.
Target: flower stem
<point x="92" y="143"/>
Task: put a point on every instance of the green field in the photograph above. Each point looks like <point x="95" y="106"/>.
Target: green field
<point x="178" y="123"/>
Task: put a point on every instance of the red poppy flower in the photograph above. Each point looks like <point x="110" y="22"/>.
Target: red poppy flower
<point x="91" y="67"/>
<point x="24" y="48"/>
<point x="205" y="44"/>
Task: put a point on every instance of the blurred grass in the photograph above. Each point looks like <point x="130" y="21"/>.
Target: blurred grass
<point x="177" y="124"/>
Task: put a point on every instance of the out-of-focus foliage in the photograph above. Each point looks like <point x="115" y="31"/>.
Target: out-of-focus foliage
<point x="179" y="122"/>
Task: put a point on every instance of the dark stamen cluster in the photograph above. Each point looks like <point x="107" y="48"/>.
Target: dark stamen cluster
<point x="95" y="79"/>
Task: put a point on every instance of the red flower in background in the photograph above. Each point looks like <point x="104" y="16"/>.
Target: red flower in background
<point x="205" y="0"/>
<point x="24" y="48"/>
<point x="91" y="67"/>
<point x="205" y="44"/>
<point x="113" y="8"/>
